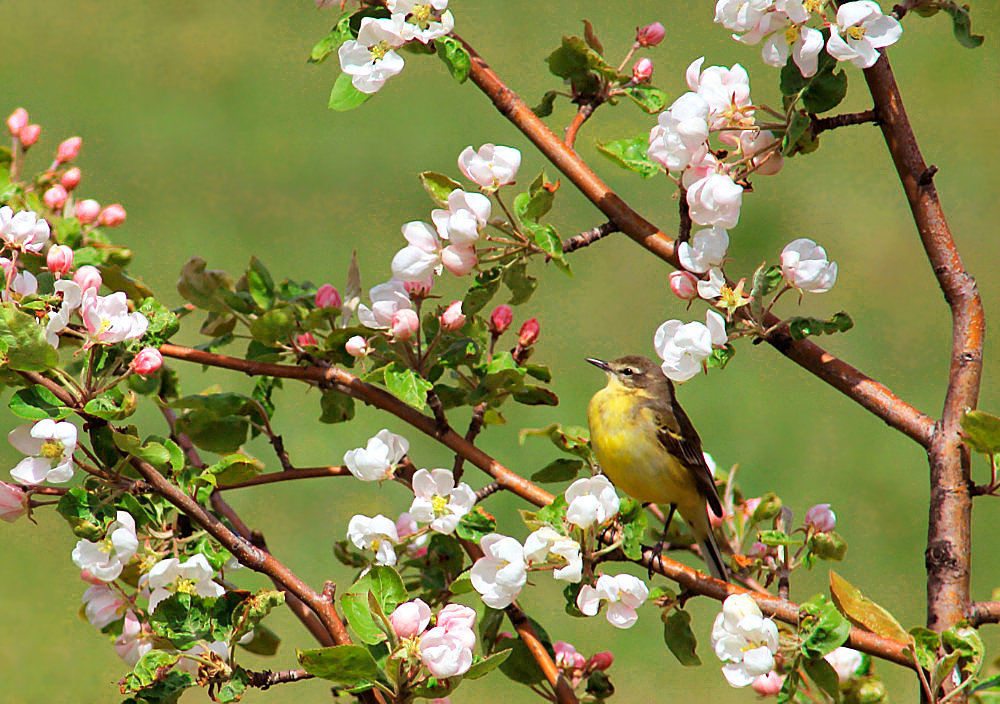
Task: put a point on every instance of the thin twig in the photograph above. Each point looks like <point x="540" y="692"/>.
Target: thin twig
<point x="268" y="678"/>
<point x="583" y="113"/>
<point x="821" y="124"/>
<point x="290" y="475"/>
<point x="588" y="237"/>
<point x="475" y="426"/>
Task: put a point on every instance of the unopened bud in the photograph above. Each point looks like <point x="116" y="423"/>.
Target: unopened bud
<point x="70" y="179"/>
<point x="684" y="285"/>
<point x="112" y="216"/>
<point x="821" y="518"/>
<point x="29" y="135"/>
<point x="650" y="35"/>
<point x="86" y="211"/>
<point x="357" y="346"/>
<point x="768" y="685"/>
<point x="768" y="506"/>
<point x="17" y="121"/>
<point x="55" y="197"/>
<point x="87" y="276"/>
<point x="601" y="661"/>
<point x="327" y="297"/>
<point x="452" y="318"/>
<point x="528" y="334"/>
<point x="501" y="318"/>
<point x="642" y="71"/>
<point x="68" y="149"/>
<point x="306" y="339"/>
<point x="459" y="259"/>
<point x="419" y="289"/>
<point x="828" y="546"/>
<point x="13" y="500"/>
<point x="59" y="259"/>
<point x="404" y="323"/>
<point x="871" y="692"/>
<point x="147" y="361"/>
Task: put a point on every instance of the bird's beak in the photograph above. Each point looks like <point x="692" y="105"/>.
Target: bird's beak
<point x="600" y="364"/>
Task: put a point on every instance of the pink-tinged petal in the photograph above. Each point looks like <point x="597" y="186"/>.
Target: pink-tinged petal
<point x="23" y="441"/>
<point x="31" y="470"/>
<point x="588" y="600"/>
<point x="621" y="615"/>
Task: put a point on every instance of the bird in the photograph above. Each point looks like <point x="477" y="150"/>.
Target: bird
<point x="648" y="448"/>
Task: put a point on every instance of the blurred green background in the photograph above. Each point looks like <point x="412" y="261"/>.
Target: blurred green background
<point x="206" y="122"/>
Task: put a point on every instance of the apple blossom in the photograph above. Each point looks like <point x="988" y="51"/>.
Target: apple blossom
<point x="846" y="662"/>
<point x="865" y="30"/>
<point x="357" y="346"/>
<point x="17" y="121"/>
<point x="135" y="640"/>
<point x="821" y="518"/>
<point x="68" y="150"/>
<point x="768" y="685"/>
<point x="405" y="322"/>
<point x="706" y="249"/>
<point x="680" y="136"/>
<point x="87" y="277"/>
<point x="725" y="90"/>
<point x="465" y="218"/>
<point x="22" y="284"/>
<point x="377" y="533"/>
<point x="111" y="216"/>
<point x="500" y="574"/>
<point x="567" y="657"/>
<point x="376" y="461"/>
<point x="455" y="618"/>
<point x="59" y="259"/>
<point x="106" y="559"/>
<point x="438" y="501"/>
<point x="491" y="166"/>
<point x="419" y="289"/>
<point x="445" y="653"/>
<point x="545" y="541"/>
<point x="55" y="197"/>
<point x="170" y="576"/>
<point x="406" y="527"/>
<point x="624" y="594"/>
<point x="501" y="318"/>
<point x="13" y="502"/>
<point x="370" y="60"/>
<point x="650" y="35"/>
<point x="744" y="640"/>
<point x="452" y="318"/>
<point x="712" y="286"/>
<point x="684" y="285"/>
<point x="49" y="446"/>
<point x="29" y="135"/>
<point x="528" y="334"/>
<point x="459" y="259"/>
<point x="591" y="500"/>
<point x="306" y="339"/>
<point x="59" y="319"/>
<point x="86" y="211"/>
<point x="103" y="605"/>
<point x="23" y="230"/>
<point x="422" y="257"/>
<point x="327" y="297"/>
<point x="424" y="21"/>
<point x="642" y="71"/>
<point x="386" y="299"/>
<point x="771" y="160"/>
<point x="410" y="618"/>
<point x="107" y="318"/>
<point x="147" y="361"/>
<point x="741" y="15"/>
<point x="70" y="179"/>
<point x="684" y="346"/>
<point x="805" y="266"/>
<point x="782" y="36"/>
<point x="715" y="200"/>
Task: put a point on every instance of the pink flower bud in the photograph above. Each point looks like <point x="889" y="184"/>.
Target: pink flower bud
<point x="455" y="616"/>
<point x="86" y="211"/>
<point x="684" y="285"/>
<point x="453" y="319"/>
<point x="528" y="334"/>
<point x="459" y="259"/>
<point x="70" y="179"/>
<point x="87" y="577"/>
<point x="87" y="276"/>
<point x="768" y="685"/>
<point x="17" y="121"/>
<point x="328" y="297"/>
<point x="405" y="524"/>
<point x="357" y="346"/>
<point x="409" y="619"/>
<point x="601" y="661"/>
<point x="501" y="318"/>
<point x="404" y="323"/>
<point x="419" y="289"/>
<point x="650" y="35"/>
<point x="147" y="361"/>
<point x="55" y="197"/>
<point x="821" y="518"/>
<point x="750" y="506"/>
<point x="306" y="339"/>
<point x="29" y="134"/>
<point x="59" y="259"/>
<point x="68" y="149"/>
<point x="13" y="500"/>
<point x="642" y="71"/>
<point x="112" y="216"/>
<point x="567" y="658"/>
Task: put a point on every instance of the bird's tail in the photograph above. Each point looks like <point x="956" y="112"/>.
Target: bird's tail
<point x="713" y="558"/>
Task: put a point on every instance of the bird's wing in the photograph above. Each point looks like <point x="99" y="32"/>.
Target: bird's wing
<point x="678" y="436"/>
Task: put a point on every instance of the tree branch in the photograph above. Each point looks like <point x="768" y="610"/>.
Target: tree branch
<point x="981" y="612"/>
<point x="588" y="237"/>
<point x="821" y="124"/>
<point x="289" y="475"/>
<point x="267" y="678"/>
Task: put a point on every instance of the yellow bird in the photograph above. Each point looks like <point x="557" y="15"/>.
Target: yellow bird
<point x="646" y="445"/>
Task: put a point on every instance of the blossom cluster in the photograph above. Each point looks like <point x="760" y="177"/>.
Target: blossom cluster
<point x="446" y="648"/>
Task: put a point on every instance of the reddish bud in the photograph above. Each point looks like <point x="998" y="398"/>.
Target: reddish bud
<point x="87" y="276"/>
<point x="147" y="361"/>
<point x="86" y="211"/>
<point x="112" y="216"/>
<point x="357" y="346"/>
<point x="70" y="179"/>
<point x="13" y="500"/>
<point x="528" y="334"/>
<point x="419" y="289"/>
<point x="59" y="259"/>
<point x="328" y="297"/>
<point x="650" y="35"/>
<point x="68" y="149"/>
<point x="404" y="323"/>
<point x="453" y="318"/>
<point x="29" y="135"/>
<point x="684" y="285"/>
<point x="642" y="71"/>
<point x="600" y="661"/>
<point x="17" y="121"/>
<point x="55" y="197"/>
<point x="768" y="685"/>
<point x="501" y="318"/>
<point x="306" y="339"/>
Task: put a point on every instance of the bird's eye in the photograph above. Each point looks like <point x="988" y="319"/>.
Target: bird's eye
<point x="628" y="371"/>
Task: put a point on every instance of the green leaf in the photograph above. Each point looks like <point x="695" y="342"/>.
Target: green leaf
<point x="520" y="664"/>
<point x="821" y="627"/>
<point x="798" y="134"/>
<point x="515" y="278"/>
<point x="116" y="279"/>
<point x="345" y="96"/>
<point x="486" y="665"/>
<point x="546" y="238"/>
<point x="455" y="57"/>
<point x="487" y="283"/>
<point x="439" y="186"/>
<point x="209" y="431"/>
<point x="536" y="201"/>
<point x="650" y="99"/>
<point x="202" y="287"/>
<point x="863" y="612"/>
<point x="232" y="690"/>
<point x="800" y="327"/>
<point x="822" y="673"/>
<point x="153" y="452"/>
<point x="571" y="438"/>
<point x="37" y="402"/>
<point x="544" y="107"/>
<point x="274" y="326"/>
<point x="538" y="371"/>
<point x="720" y="356"/>
<point x="264" y="641"/>
<point x="591" y="37"/>
<point x="387" y="587"/>
<point x="536" y="396"/>
<point x="964" y="640"/>
<point x="252" y="611"/>
<point x="827" y="546"/>
<point x="163" y="322"/>
<point x="680" y="639"/>
<point x="820" y="92"/>
<point x="233" y="469"/>
<point x="943" y="669"/>
<point x="344" y="664"/>
<point x="631" y="154"/>
<point x="926" y="643"/>
<point x="335" y="407"/>
<point x="634" y="522"/>
<point x="581" y="65"/>
<point x="560" y="470"/>
<point x="85" y="512"/>
<point x="260" y="283"/>
<point x="182" y="619"/>
<point x="476" y="524"/>
<point x="961" y="23"/>
<point x="407" y="385"/>
<point x="775" y="538"/>
<point x="980" y="430"/>
<point x="22" y="342"/>
<point x="113" y="405"/>
<point x="340" y="33"/>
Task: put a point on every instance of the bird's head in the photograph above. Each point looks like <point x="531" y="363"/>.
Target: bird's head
<point x="633" y="372"/>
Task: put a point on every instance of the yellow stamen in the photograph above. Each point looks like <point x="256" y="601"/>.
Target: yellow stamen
<point x="185" y="586"/>
<point x="439" y="504"/>
<point x="856" y="32"/>
<point x="52" y="448"/>
<point x="378" y="51"/>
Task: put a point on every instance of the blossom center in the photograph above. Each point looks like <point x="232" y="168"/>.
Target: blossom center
<point x="52" y="448"/>
<point x="106" y="546"/>
<point x="856" y="33"/>
<point x="185" y="586"/>
<point x="421" y="16"/>
<point x="376" y="542"/>
<point x="378" y="51"/>
<point x="439" y="504"/>
<point x="791" y="34"/>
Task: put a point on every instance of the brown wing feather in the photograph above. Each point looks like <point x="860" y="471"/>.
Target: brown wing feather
<point x="681" y="440"/>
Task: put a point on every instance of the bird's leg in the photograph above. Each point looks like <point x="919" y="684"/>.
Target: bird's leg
<point x="658" y="548"/>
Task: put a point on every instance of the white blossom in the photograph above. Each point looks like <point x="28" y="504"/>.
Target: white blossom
<point x="103" y="605"/>
<point x="422" y="257"/>
<point x="106" y="559"/>
<point x="423" y="21"/>
<point x="378" y="458"/>
<point x="805" y="266"/>
<point x="725" y="90"/>
<point x="712" y="286"/>
<point x="862" y="30"/>
<point x="684" y="346"/>
<point x="500" y="574"/>
<point x="491" y="166"/>
<point x="50" y="446"/>
<point x="135" y="640"/>
<point x="377" y="533"/>
<point x="446" y="653"/>
<point x="845" y="661"/>
<point x="386" y="299"/>
<point x="370" y="60"/>
<point x="58" y="320"/>
<point x="107" y="318"/>
<point x="591" y="500"/>
<point x="171" y="576"/>
<point x="465" y="218"/>
<point x="744" y="640"/>
<point x="715" y="200"/>
<point x="624" y="594"/>
<point x="680" y="136"/>
<point x="22" y="284"/>
<point x="706" y="249"/>
<point x="23" y="230"/>
<point x="741" y="15"/>
<point x="438" y="501"/>
<point x="545" y="541"/>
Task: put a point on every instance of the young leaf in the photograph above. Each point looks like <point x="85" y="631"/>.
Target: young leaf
<point x="631" y="154"/>
<point x="981" y="431"/>
<point x="962" y="24"/>
<point x="345" y="96"/>
<point x="438" y="186"/>
<point x="37" y="402"/>
<point x="633" y="521"/>
<point x="822" y="673"/>
<point x="407" y="385"/>
<point x="486" y="285"/>
<point x="387" y="587"/>
<point x="863" y="612"/>
<point x="476" y="524"/>
<point x="560" y="470"/>
<point x="455" y="57"/>
<point x="344" y="664"/>
<point x="680" y="639"/>
<point x="820" y="92"/>
<point x="650" y="99"/>
<point x="544" y="107"/>
<point x="484" y="666"/>
<point x="340" y="33"/>
<point x="822" y="629"/>
<point x="22" y="342"/>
